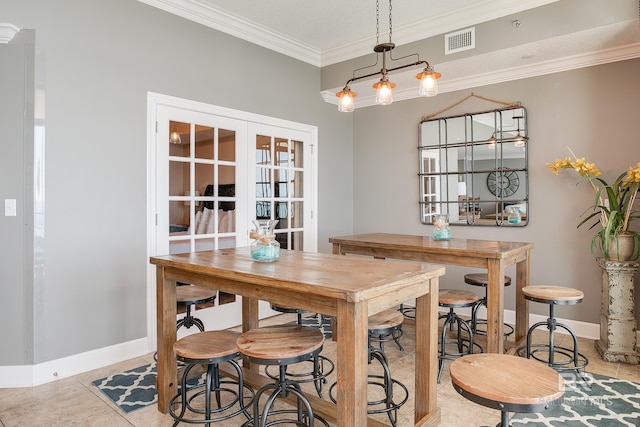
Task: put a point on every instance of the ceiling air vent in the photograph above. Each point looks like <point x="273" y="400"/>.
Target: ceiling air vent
<point x="460" y="40"/>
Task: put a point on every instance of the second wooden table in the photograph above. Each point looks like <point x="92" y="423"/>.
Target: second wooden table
<point x="492" y="255"/>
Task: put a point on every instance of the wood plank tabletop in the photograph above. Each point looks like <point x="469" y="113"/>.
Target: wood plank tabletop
<point x="350" y="279"/>
<point x="497" y="249"/>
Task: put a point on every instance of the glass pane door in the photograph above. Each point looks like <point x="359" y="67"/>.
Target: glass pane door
<point x="202" y="187"/>
<point x="283" y="164"/>
<point x="201" y="195"/>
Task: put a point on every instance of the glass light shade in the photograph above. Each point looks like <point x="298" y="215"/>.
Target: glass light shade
<point x="492" y="141"/>
<point x="346" y="103"/>
<point x="174" y="138"/>
<point x="384" y="92"/>
<point x="428" y="83"/>
<point x="519" y="141"/>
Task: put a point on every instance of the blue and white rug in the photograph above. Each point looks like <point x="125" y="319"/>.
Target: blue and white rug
<point x="608" y="402"/>
<point x="135" y="388"/>
<point x="318" y="321"/>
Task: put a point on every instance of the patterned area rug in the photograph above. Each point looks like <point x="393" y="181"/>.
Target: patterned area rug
<point x="134" y="389"/>
<point x="321" y="322"/>
<point x="609" y="402"/>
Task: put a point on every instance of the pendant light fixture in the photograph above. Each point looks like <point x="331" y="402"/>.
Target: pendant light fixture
<point x="384" y="88"/>
<point x="174" y="136"/>
<point x="519" y="140"/>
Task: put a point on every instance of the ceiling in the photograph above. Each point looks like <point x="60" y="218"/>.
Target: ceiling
<point x="328" y="32"/>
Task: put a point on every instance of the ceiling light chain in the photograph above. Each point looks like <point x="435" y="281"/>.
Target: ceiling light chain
<point x="377" y="22"/>
<point x="384" y="88"/>
<point x="390" y="22"/>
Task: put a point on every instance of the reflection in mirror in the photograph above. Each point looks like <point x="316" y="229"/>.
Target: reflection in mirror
<point x="474" y="168"/>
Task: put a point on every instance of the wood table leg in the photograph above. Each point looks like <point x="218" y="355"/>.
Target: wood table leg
<point x="426" y="358"/>
<point x="495" y="307"/>
<point x="352" y="364"/>
<point x="522" y="304"/>
<point x="167" y="378"/>
<point x="250" y="320"/>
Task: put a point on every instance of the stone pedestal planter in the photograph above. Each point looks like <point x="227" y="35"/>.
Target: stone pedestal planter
<point x="618" y="341"/>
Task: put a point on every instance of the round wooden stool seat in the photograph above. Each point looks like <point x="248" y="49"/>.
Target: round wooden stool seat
<point x="281" y="345"/>
<point x="558" y="295"/>
<point x="290" y="310"/>
<point x="456" y="298"/>
<point x="384" y="320"/>
<point x="209" y="348"/>
<point x="190" y="295"/>
<point x="507" y="383"/>
<point x="205" y="347"/>
<point x="482" y="279"/>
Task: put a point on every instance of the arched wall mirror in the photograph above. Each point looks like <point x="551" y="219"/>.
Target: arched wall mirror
<point x="474" y="168"/>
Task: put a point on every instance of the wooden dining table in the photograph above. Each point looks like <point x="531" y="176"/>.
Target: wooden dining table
<point x="348" y="288"/>
<point x="492" y="255"/>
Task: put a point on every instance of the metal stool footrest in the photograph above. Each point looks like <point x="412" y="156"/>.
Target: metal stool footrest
<point x="281" y="388"/>
<point x="318" y="373"/>
<point x="571" y="358"/>
<point x="508" y="329"/>
<point x="408" y="311"/>
<point x="464" y="345"/>
<point x="187" y="398"/>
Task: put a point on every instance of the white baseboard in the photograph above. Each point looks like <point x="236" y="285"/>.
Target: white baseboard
<point x="42" y="373"/>
<point x="581" y="329"/>
<point x="33" y="375"/>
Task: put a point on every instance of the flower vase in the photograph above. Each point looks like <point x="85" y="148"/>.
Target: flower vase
<point x="441" y="230"/>
<point x="264" y="247"/>
<point x="513" y="215"/>
<point x="621" y="247"/>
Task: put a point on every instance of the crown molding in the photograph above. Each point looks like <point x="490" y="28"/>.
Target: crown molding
<point x="217" y="19"/>
<point x="568" y="63"/>
<point x="7" y="32"/>
<point x="239" y="27"/>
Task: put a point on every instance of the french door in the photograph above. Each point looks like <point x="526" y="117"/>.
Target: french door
<point x="211" y="172"/>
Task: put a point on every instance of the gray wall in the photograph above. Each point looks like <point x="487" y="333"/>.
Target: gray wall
<point x="595" y="111"/>
<point x="16" y="179"/>
<point x="96" y="61"/>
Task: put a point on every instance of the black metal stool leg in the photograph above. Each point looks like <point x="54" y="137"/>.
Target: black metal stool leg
<point x="504" y="419"/>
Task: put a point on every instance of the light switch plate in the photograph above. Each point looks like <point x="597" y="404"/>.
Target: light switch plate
<point x="9" y="207"/>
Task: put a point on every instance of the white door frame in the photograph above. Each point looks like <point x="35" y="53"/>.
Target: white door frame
<point x="154" y="100"/>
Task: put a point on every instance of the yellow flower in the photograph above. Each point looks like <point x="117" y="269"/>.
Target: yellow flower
<point x="559" y="164"/>
<point x="584" y="168"/>
<point x="633" y="175"/>
<point x="614" y="204"/>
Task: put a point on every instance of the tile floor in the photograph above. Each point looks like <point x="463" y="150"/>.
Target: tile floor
<point x="75" y="402"/>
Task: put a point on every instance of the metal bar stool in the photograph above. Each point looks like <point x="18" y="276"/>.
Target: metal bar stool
<point x="281" y="345"/>
<point x="557" y="357"/>
<point x="209" y="348"/>
<point x="481" y="279"/>
<point x="189" y="296"/>
<point x="321" y="366"/>
<point x="384" y="326"/>
<point x="452" y="299"/>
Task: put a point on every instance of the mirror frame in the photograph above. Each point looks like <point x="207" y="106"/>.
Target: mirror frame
<point x="473" y="166"/>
